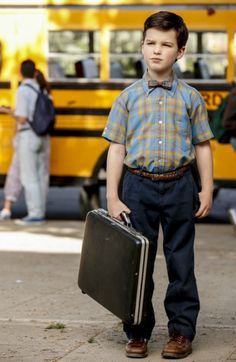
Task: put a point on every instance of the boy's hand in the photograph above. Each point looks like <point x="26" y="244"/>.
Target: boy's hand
<point x="205" y="204"/>
<point x="116" y="207"/>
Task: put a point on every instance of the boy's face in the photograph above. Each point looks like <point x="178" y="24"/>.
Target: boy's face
<point x="160" y="51"/>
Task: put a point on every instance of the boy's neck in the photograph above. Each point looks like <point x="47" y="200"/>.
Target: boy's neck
<point x="160" y="76"/>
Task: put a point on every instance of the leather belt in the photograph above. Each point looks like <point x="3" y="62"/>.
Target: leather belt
<point x="166" y="176"/>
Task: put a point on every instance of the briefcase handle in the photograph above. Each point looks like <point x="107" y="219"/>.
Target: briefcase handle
<point x="126" y="218"/>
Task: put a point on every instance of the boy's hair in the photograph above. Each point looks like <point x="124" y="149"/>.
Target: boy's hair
<point x="27" y="68"/>
<point x="165" y="20"/>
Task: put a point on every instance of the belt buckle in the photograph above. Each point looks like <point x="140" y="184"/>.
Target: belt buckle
<point x="179" y="174"/>
<point x="176" y="175"/>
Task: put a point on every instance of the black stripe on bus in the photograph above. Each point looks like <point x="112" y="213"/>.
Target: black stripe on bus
<point x="83" y="111"/>
<point x="60" y="132"/>
<point x="89" y="85"/>
<point x="212" y="86"/>
<point x="5" y="85"/>
<point x="121" y="85"/>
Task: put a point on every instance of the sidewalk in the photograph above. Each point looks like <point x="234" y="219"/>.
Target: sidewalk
<point x="39" y="296"/>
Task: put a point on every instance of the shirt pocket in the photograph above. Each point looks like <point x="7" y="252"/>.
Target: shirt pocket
<point x="182" y="126"/>
<point x="183" y="132"/>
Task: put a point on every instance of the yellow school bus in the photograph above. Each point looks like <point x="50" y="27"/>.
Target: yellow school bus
<point x="90" y="51"/>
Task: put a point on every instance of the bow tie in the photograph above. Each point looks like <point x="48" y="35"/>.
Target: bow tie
<point x="166" y="84"/>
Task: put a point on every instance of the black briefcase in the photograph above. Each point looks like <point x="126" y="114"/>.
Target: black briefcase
<point x="113" y="266"/>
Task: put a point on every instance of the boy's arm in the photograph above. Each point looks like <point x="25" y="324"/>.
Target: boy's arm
<point x="115" y="164"/>
<point x="205" y="168"/>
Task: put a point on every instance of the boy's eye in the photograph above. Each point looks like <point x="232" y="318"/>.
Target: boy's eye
<point x="150" y="42"/>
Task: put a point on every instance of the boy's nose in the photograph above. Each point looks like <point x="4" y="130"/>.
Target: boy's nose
<point x="156" y="50"/>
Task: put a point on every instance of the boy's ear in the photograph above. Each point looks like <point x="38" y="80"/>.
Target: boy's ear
<point x="180" y="53"/>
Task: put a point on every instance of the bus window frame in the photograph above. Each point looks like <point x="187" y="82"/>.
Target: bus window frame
<point x="75" y="56"/>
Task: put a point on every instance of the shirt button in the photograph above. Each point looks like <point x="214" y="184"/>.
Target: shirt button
<point x="160" y="102"/>
<point x="160" y="122"/>
<point x="160" y="142"/>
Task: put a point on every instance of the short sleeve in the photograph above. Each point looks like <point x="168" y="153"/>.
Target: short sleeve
<point x="115" y="130"/>
<point x="21" y="109"/>
<point x="201" y="130"/>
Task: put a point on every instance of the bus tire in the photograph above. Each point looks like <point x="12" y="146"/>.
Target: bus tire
<point x="215" y="192"/>
<point x="88" y="199"/>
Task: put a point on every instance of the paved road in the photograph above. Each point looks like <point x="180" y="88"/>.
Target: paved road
<point x="38" y="289"/>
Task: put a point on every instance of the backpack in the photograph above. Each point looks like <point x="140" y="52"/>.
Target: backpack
<point x="219" y="132"/>
<point x="44" y="116"/>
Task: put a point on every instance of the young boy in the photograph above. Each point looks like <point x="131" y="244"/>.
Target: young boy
<point x="157" y="127"/>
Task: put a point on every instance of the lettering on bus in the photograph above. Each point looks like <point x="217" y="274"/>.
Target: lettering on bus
<point x="213" y="99"/>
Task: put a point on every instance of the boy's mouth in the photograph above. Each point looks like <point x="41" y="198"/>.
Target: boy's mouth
<point x="156" y="60"/>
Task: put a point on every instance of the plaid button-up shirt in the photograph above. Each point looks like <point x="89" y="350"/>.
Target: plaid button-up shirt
<point x="158" y="127"/>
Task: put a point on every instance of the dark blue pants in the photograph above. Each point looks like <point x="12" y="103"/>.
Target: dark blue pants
<point x="171" y="204"/>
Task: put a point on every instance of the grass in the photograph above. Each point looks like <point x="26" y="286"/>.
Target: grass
<point x="58" y="325"/>
<point x="92" y="340"/>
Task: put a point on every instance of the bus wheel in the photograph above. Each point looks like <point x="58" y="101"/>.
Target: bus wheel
<point x="88" y="199"/>
<point x="215" y="193"/>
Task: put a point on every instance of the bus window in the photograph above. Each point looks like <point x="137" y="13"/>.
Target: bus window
<point x="73" y="53"/>
<point x="125" y="51"/>
<point x="206" y="56"/>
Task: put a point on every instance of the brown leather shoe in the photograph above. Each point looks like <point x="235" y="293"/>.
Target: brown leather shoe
<point x="136" y="348"/>
<point x="177" y="347"/>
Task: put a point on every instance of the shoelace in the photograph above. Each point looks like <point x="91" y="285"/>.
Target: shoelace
<point x="177" y="338"/>
<point x="137" y="342"/>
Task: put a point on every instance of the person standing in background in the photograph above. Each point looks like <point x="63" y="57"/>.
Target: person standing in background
<point x="12" y="186"/>
<point x="32" y="152"/>
<point x="229" y="124"/>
